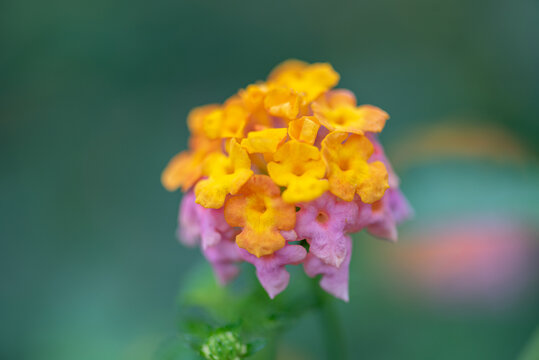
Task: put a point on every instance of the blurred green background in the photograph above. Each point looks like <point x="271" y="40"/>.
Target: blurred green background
<point x="94" y="96"/>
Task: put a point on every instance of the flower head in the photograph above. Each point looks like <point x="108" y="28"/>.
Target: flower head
<point x="224" y="344"/>
<point x="285" y="160"/>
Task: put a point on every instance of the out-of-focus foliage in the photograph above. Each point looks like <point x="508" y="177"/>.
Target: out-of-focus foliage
<point x="216" y="321"/>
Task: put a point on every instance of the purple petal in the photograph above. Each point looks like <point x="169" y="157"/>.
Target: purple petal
<point x="188" y="225"/>
<point x="223" y="258"/>
<point x="270" y="269"/>
<point x="393" y="208"/>
<point x="381" y="222"/>
<point x="379" y="155"/>
<point x="400" y="207"/>
<point x="334" y="280"/>
<point x="386" y="214"/>
<point x="213" y="226"/>
<point x="363" y="218"/>
<point x="289" y="235"/>
<point x="384" y="228"/>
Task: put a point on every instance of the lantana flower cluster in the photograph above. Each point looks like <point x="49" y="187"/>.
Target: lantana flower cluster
<point x="281" y="161"/>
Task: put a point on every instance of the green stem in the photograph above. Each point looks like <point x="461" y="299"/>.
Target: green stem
<point x="331" y="327"/>
<point x="531" y="351"/>
<point x="269" y="352"/>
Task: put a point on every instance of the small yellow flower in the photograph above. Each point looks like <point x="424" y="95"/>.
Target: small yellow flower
<point x="195" y="118"/>
<point x="227" y="121"/>
<point x="253" y="100"/>
<point x="253" y="95"/>
<point x="282" y="102"/>
<point x="337" y="111"/>
<point x="348" y="170"/>
<point x="259" y="209"/>
<point x="184" y="169"/>
<point x="308" y="80"/>
<point x="304" y="129"/>
<point x="226" y="175"/>
<point x="299" y="168"/>
<point x="264" y="141"/>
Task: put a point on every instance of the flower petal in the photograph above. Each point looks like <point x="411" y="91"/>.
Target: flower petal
<point x="282" y="102"/>
<point x="334" y="280"/>
<point x="188" y="226"/>
<point x="386" y="214"/>
<point x="195" y="118"/>
<point x="270" y="269"/>
<point x="304" y="129"/>
<point x="223" y="258"/>
<point x="213" y="227"/>
<point x="264" y="141"/>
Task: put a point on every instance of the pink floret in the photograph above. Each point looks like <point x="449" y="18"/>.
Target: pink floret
<point x="223" y="258"/>
<point x="270" y="269"/>
<point x="198" y="224"/>
<point x="188" y="225"/>
<point x="323" y="223"/>
<point x="334" y="280"/>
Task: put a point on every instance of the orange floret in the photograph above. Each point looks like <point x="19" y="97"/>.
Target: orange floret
<point x="348" y="170"/>
<point x="184" y="169"/>
<point x="259" y="209"/>
<point x="308" y="80"/>
<point x="282" y="102"/>
<point x="226" y="175"/>
<point x="337" y="111"/>
<point x="195" y="118"/>
<point x="304" y="129"/>
<point x="299" y="168"/>
<point x="227" y="121"/>
<point x="253" y="100"/>
<point x="264" y="141"/>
